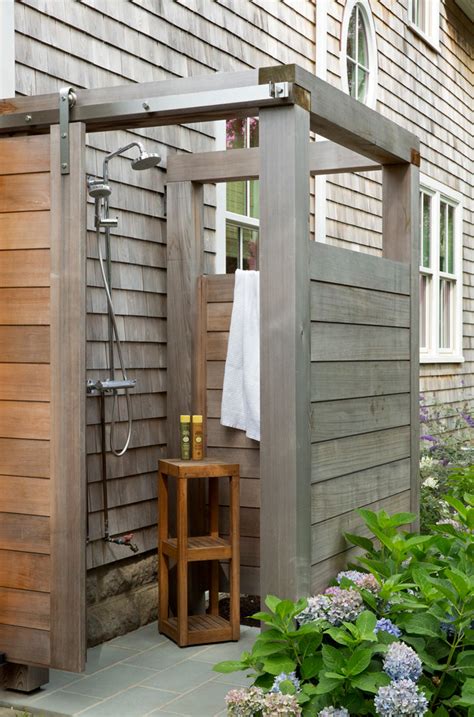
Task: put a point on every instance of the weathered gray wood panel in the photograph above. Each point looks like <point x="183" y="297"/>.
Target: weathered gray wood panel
<point x="349" y="305"/>
<point x="350" y="342"/>
<point x="355" y="379"/>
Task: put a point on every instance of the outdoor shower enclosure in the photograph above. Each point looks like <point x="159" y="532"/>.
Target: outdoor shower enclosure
<point x="339" y="337"/>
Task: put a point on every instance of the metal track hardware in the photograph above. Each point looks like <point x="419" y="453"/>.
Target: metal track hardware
<point x="67" y="99"/>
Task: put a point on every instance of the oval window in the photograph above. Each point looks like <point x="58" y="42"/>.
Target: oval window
<point x="359" y="52"/>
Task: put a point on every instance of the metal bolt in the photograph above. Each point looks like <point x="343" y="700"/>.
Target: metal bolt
<point x="28" y="118"/>
<point x="64" y="165"/>
<point x="146" y="106"/>
<point x="63" y="98"/>
<point x="64" y="135"/>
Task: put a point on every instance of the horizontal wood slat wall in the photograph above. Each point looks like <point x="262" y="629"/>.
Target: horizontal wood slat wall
<point x="226" y="443"/>
<point x="360" y="393"/>
<point x="25" y="266"/>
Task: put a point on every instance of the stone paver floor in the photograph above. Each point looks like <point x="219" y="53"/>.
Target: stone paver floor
<point x="137" y="675"/>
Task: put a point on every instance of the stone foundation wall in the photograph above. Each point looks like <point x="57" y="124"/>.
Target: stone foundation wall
<point x="121" y="597"/>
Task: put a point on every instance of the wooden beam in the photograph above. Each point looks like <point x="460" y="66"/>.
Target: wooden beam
<point x="225" y="166"/>
<point x="285" y="456"/>
<point x="22" y="678"/>
<point x="400" y="230"/>
<point x="44" y="109"/>
<point x="347" y="121"/>
<point x="68" y="397"/>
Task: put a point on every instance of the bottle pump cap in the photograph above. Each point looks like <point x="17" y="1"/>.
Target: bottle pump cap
<point x="197" y="419"/>
<point x="185" y="419"/>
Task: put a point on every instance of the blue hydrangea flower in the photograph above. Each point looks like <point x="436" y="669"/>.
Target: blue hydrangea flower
<point x="386" y="625"/>
<point x="401" y="698"/>
<point x="334" y="712"/>
<point x="282" y="677"/>
<point x="402" y="663"/>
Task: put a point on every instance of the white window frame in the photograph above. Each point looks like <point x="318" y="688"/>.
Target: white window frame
<point x="365" y="9"/>
<point x="222" y="215"/>
<point x="433" y="353"/>
<point x="431" y="37"/>
<point x="7" y="49"/>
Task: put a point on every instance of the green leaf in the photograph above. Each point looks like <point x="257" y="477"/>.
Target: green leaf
<point x="358" y="662"/>
<point x="284" y="609"/>
<point x="371" y="681"/>
<point x="366" y="625"/>
<point x="263" y="617"/>
<point x="465" y="663"/>
<point x="271" y="601"/>
<point x="399" y="519"/>
<point x="459" y="581"/>
<point x="333" y="659"/>
<point x="339" y="636"/>
<point x="326" y="685"/>
<point x="230" y="666"/>
<point x="276" y="664"/>
<point x="287" y="687"/>
<point x="422" y="624"/>
<point x="311" y="666"/>
<point x="263" y="649"/>
<point x="360" y="541"/>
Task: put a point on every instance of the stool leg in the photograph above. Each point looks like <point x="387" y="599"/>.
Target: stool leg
<point x="182" y="567"/>
<point x="163" y="562"/>
<point x="235" y="560"/>
<point x="214" y="530"/>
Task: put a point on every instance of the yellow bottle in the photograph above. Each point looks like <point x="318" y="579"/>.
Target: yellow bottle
<point x="185" y="432"/>
<point x="197" y="439"/>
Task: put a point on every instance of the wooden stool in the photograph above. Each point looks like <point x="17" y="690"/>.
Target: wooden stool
<point x="198" y="629"/>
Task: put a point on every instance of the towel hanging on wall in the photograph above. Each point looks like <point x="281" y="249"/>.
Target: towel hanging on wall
<point x="241" y="392"/>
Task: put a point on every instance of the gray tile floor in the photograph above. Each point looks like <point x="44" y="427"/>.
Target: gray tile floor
<point x="142" y="673"/>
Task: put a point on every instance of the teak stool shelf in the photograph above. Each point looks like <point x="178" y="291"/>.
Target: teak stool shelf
<point x="210" y="627"/>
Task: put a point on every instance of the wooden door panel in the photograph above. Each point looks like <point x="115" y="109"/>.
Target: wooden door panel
<point x="42" y="402"/>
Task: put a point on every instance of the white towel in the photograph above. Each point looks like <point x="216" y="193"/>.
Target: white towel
<point x="241" y="395"/>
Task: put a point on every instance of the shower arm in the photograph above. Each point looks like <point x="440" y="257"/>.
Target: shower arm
<point x="121" y="150"/>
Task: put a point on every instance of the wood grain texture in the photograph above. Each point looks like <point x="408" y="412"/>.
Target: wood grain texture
<point x="25" y="571"/>
<point x="19" y="642"/>
<point x="25" y="533"/>
<point x="24" y="155"/>
<point x="68" y="418"/>
<point x="340" y="495"/>
<point x="21" y="457"/>
<point x="349" y="305"/>
<point x="21" y="419"/>
<point x="355" y="379"/>
<point x="401" y="242"/>
<point x="355" y="453"/>
<point x="349" y="417"/>
<point x="24" y="307"/>
<point x="284" y="352"/>
<point x="24" y="382"/>
<point x="34" y="265"/>
<point x="339" y="266"/>
<point x="24" y="192"/>
<point x="24" y="344"/>
<point x="327" y="538"/>
<point x="24" y="495"/>
<point x="341" y="342"/>
<point x="15" y="231"/>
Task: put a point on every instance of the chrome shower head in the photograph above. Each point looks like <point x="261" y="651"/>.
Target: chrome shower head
<point x="146" y="161"/>
<point x="99" y="189"/>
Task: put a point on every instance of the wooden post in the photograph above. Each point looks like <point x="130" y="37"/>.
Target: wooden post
<point x="401" y="242"/>
<point x="68" y="400"/>
<point x="285" y="458"/>
<point x="185" y="252"/>
<point x="185" y="256"/>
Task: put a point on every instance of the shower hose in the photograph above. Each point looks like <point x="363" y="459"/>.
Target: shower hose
<point x="116" y="451"/>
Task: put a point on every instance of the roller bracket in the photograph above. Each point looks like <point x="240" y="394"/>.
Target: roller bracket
<point x="67" y="99"/>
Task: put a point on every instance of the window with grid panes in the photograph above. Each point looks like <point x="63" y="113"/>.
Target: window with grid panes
<point x="440" y="274"/>
<point x="242" y="202"/>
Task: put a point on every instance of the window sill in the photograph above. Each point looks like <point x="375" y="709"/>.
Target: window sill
<point x="434" y="44"/>
<point x="452" y="358"/>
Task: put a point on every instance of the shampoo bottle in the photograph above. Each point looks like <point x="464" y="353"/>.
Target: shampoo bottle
<point x="185" y="427"/>
<point x="197" y="436"/>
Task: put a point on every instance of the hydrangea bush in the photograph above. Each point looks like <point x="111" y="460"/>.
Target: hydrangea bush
<point x="393" y="637"/>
